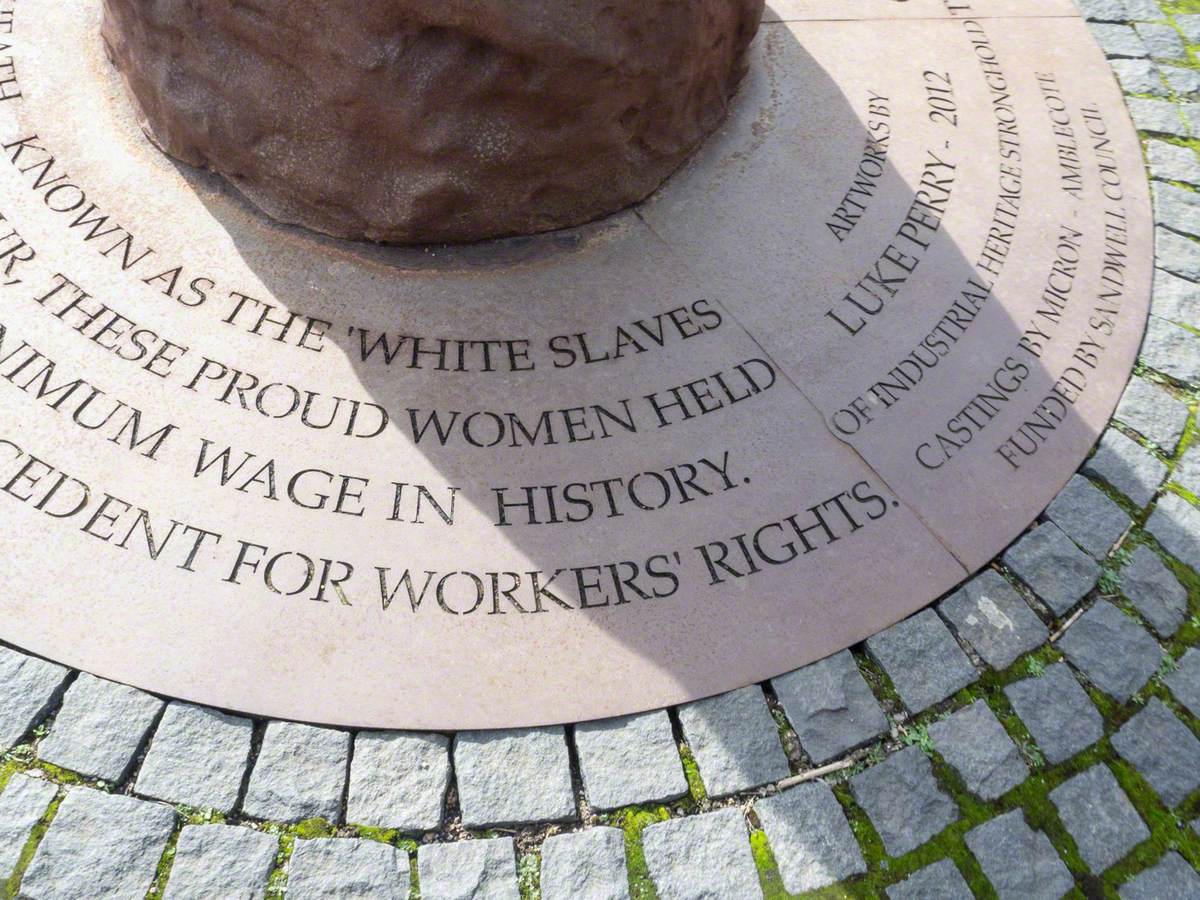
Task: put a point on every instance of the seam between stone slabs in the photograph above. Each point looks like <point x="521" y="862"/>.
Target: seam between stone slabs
<point x="344" y="801"/>
<point x="129" y="778"/>
<point x="783" y="373"/>
<point x="798" y="759"/>
<point x="258" y="730"/>
<point x="162" y="872"/>
<point x="575" y="768"/>
<point x="697" y="792"/>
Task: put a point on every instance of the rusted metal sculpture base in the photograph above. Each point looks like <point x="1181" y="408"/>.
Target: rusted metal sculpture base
<point x="433" y="120"/>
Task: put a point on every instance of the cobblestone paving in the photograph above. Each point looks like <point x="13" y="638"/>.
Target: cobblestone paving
<point x="1035" y="734"/>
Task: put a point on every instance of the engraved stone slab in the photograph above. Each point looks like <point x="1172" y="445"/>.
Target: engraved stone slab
<point x="579" y="475"/>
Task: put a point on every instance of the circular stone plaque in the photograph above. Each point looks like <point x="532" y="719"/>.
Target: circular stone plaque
<point x="832" y="368"/>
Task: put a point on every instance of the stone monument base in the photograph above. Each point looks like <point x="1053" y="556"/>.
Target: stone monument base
<point x="829" y="370"/>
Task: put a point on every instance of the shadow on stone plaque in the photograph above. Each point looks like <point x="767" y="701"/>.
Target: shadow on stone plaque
<point x="832" y="367"/>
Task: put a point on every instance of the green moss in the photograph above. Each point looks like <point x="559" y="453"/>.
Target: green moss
<point x="201" y="815"/>
<point x="868" y="837"/>
<point x="1167" y="831"/>
<point x="383" y="835"/>
<point x="66" y="776"/>
<point x="7" y="771"/>
<point x="879" y="681"/>
<point x="768" y="868"/>
<point x="692" y="772"/>
<point x="633" y="821"/>
<point x="771" y="881"/>
<point x="12" y="887"/>
<point x="1110" y="581"/>
<point x="163" y="872"/>
<point x="529" y="876"/>
<point x="277" y="881"/>
<point x="313" y="828"/>
<point x="917" y="736"/>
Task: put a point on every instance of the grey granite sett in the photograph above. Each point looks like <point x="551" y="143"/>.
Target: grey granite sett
<point x="1187" y="470"/>
<point x="1177" y="208"/>
<point x="1145" y="10"/>
<point x="704" y="857"/>
<point x="940" y="881"/>
<point x="1175" y="524"/>
<point x="1172" y="162"/>
<point x="1139" y="76"/>
<point x="810" y="837"/>
<point x="1163" y="750"/>
<point x="513" y="776"/>
<point x="1161" y="41"/>
<point x="1112" y="650"/>
<point x="22" y="806"/>
<point x="903" y="800"/>
<point x="221" y="861"/>
<point x="830" y="706"/>
<point x="398" y="779"/>
<point x="99" y="729"/>
<point x="923" y="660"/>
<point x="1127" y="466"/>
<point x="1171" y="350"/>
<point x="1181" y="81"/>
<point x="1155" y="591"/>
<point x="585" y="865"/>
<point x="1099" y="817"/>
<point x="631" y="759"/>
<point x="1175" y="253"/>
<point x="348" y="868"/>
<point x="99" y="845"/>
<point x="468" y="870"/>
<point x="1190" y="26"/>
<point x="735" y="741"/>
<point x="994" y="619"/>
<point x="1170" y="879"/>
<point x="1191" y="113"/>
<point x="1019" y="862"/>
<point x="1053" y="567"/>
<point x="1184" y="682"/>
<point x="975" y="744"/>
<point x="1177" y="300"/>
<point x="198" y="757"/>
<point x="1119" y="40"/>
<point x="1057" y="712"/>
<point x="300" y="773"/>
<point x="1103" y="10"/>
<point x="1159" y="116"/>
<point x="28" y="688"/>
<point x="1087" y="516"/>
